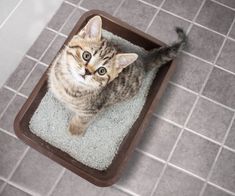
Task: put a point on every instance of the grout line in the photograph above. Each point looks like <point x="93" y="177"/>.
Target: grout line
<point x="56" y="32"/>
<point x="193" y="22"/>
<point x="38" y="61"/>
<point x="10" y="14"/>
<point x="70" y="3"/>
<point x="14" y="169"/>
<point x="8" y="133"/>
<point x="203" y="136"/>
<point x="182" y="169"/>
<point x="150" y="155"/>
<point x="125" y="190"/>
<point x="201" y="59"/>
<point x="19" y="187"/>
<point x="195" y="17"/>
<point x="177" y="16"/>
<point x="186" y="171"/>
<point x="5" y="109"/>
<point x="182" y="87"/>
<point x="220" y="50"/>
<point x="16" y="92"/>
<point x="154" y="16"/>
<point x="167" y="120"/>
<point x="226" y="70"/>
<point x="118" y="7"/>
<point x="202" y="96"/>
<point x="82" y="8"/>
<point x="225" y="137"/>
<point x="56" y="182"/>
<point x="228" y="148"/>
<point x="189" y="115"/>
<point x="233" y="9"/>
<point x="217" y="156"/>
<point x="192" y="131"/>
<point x="77" y="6"/>
<point x="223" y="189"/>
<point x="149" y="4"/>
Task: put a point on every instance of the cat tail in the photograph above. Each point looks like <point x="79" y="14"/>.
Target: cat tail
<point x="162" y="55"/>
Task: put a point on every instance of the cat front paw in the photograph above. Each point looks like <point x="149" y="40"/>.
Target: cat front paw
<point x="76" y="130"/>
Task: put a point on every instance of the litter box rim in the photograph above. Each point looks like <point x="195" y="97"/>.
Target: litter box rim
<point x="113" y="172"/>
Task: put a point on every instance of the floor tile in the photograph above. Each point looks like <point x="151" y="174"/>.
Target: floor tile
<point x="175" y="104"/>
<point x="107" y="6"/>
<point x="177" y="183"/>
<point x="230" y="141"/>
<point x="154" y="2"/>
<point x="40" y="45"/>
<point x="7" y="120"/>
<point x="141" y="174"/>
<point x="13" y="191"/>
<point x="53" y="50"/>
<point x="213" y="191"/>
<point x="72" y="185"/>
<point x="136" y="13"/>
<point x="159" y="138"/>
<point x="1" y="184"/>
<point x="204" y="43"/>
<point x="184" y="8"/>
<point x="223" y="173"/>
<point x="8" y="7"/>
<point x="163" y="27"/>
<point x="19" y="75"/>
<point x="221" y="87"/>
<point x="194" y="154"/>
<point x="216" y="17"/>
<point x="36" y="172"/>
<point x="68" y="27"/>
<point x="74" y="1"/>
<point x="33" y="79"/>
<point x="6" y="95"/>
<point x="232" y="32"/>
<point x="11" y="150"/>
<point x="230" y="3"/>
<point x="21" y="30"/>
<point x="188" y="67"/>
<point x="60" y="17"/>
<point x="210" y="119"/>
<point x="112" y="192"/>
<point x="227" y="57"/>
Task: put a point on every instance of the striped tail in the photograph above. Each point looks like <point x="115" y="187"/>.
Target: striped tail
<point x="162" y="55"/>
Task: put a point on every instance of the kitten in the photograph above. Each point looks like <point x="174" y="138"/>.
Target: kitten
<point x="91" y="73"/>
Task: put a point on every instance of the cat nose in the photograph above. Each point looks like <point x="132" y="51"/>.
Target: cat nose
<point x="87" y="72"/>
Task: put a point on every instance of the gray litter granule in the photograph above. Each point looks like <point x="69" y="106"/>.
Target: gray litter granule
<point x="102" y="139"/>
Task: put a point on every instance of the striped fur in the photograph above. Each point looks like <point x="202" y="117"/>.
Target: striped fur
<point x="77" y="77"/>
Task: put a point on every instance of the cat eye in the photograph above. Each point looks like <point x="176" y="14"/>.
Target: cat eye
<point x="101" y="71"/>
<point x="86" y="55"/>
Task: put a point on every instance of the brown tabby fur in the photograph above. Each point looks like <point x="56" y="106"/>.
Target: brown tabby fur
<point x="78" y="82"/>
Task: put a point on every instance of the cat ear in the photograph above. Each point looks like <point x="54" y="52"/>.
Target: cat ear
<point x="92" y="30"/>
<point x="125" y="59"/>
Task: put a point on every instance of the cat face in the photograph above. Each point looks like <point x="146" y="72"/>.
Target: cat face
<point x="92" y="61"/>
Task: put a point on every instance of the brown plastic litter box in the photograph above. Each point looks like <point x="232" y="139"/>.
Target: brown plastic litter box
<point x="109" y="176"/>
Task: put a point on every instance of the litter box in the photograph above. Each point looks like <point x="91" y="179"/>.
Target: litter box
<point x="110" y="175"/>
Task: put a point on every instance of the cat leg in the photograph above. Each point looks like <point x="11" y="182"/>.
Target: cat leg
<point x="78" y="125"/>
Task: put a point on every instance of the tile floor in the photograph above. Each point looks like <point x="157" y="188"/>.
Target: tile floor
<point x="188" y="148"/>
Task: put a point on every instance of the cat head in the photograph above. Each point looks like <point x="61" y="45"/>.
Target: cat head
<point x="93" y="62"/>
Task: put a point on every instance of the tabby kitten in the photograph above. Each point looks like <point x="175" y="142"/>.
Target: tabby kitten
<point x="91" y="74"/>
